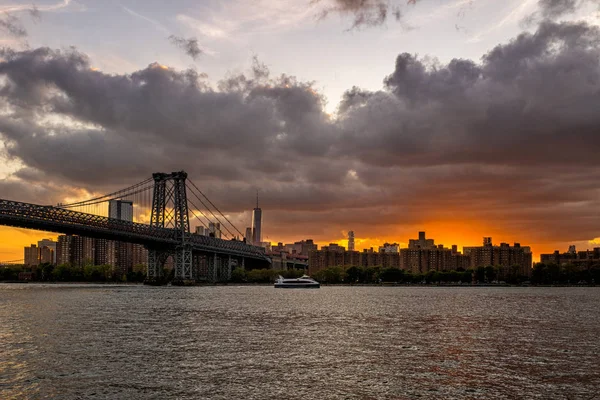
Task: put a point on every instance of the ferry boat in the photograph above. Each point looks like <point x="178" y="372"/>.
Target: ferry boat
<point x="304" y="282"/>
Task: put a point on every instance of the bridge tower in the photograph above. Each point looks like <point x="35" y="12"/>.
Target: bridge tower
<point x="170" y="210"/>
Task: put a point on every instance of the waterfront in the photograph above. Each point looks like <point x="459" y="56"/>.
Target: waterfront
<point x="137" y="342"/>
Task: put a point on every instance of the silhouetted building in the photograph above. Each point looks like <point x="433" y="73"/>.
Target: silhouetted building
<point x="31" y="256"/>
<point x="351" y="241"/>
<point x="214" y="229"/>
<point x="500" y="256"/>
<point x="421" y="242"/>
<point x="389" y="248"/>
<point x="581" y="259"/>
<point x="51" y="244"/>
<point x="64" y="249"/>
<point x="248" y="237"/>
<point x="121" y="210"/>
<point x="105" y="252"/>
<point x="257" y="223"/>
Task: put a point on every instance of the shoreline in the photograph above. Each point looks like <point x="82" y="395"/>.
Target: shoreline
<point x="322" y="284"/>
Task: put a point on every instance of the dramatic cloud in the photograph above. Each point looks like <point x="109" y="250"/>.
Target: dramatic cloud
<point x="508" y="145"/>
<point x="11" y="25"/>
<point x="189" y="46"/>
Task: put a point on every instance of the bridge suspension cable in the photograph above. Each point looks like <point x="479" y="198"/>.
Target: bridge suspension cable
<point x="208" y="209"/>
<point x="219" y="211"/>
<point x="118" y="194"/>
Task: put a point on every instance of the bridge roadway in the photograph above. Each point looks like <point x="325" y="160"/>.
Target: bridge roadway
<point x="54" y="219"/>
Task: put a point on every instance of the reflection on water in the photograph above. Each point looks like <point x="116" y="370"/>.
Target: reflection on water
<point x="72" y="342"/>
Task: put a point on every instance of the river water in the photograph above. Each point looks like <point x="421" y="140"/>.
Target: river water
<point x="257" y="342"/>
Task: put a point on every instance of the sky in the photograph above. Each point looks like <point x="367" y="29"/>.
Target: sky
<point x="461" y="118"/>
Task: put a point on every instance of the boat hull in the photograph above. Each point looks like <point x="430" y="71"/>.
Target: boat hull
<point x="297" y="285"/>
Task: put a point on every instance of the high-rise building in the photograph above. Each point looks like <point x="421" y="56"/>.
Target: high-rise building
<point x="82" y="251"/>
<point x="500" y="256"/>
<point x="389" y="248"/>
<point x="421" y="242"/>
<point x="63" y="249"/>
<point x="51" y="244"/>
<point x="105" y="252"/>
<point x="351" y="241"/>
<point x="201" y="231"/>
<point x="47" y="255"/>
<point x="120" y="209"/>
<point x="31" y="255"/>
<point x="214" y="229"/>
<point x="140" y="255"/>
<point x="248" y="237"/>
<point x="257" y="223"/>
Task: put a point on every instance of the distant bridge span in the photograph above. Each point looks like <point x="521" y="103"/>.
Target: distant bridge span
<point x="167" y="235"/>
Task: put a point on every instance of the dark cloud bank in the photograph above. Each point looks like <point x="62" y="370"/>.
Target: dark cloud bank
<point x="511" y="141"/>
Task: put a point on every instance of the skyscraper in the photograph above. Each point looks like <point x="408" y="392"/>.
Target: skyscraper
<point x="51" y="244"/>
<point x="214" y="229"/>
<point x="257" y="223"/>
<point x="351" y="241"/>
<point x="248" y="236"/>
<point x="121" y="209"/>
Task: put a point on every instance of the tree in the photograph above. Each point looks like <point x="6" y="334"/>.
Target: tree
<point x="490" y="273"/>
<point x="238" y="275"/>
<point x="353" y="274"/>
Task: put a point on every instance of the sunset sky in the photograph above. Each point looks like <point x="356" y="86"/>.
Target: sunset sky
<point x="463" y="118"/>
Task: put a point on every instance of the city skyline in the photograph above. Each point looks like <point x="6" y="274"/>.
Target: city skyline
<point x="441" y="120"/>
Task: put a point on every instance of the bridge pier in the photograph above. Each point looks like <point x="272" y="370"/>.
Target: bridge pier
<point x="183" y="264"/>
<point x="156" y="260"/>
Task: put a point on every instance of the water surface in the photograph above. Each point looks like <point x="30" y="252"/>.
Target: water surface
<point x="136" y="342"/>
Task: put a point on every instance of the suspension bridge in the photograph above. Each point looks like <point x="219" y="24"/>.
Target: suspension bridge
<point x="159" y="218"/>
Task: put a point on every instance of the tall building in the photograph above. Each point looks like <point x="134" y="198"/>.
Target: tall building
<point x="389" y="248"/>
<point x="248" y="236"/>
<point x="63" y="249"/>
<point x="47" y="255"/>
<point x="140" y="255"/>
<point x="201" y="231"/>
<point x="105" y="252"/>
<point x="82" y="251"/>
<point x="214" y="229"/>
<point x="500" y="256"/>
<point x="120" y="209"/>
<point x="31" y="255"/>
<point x="51" y="244"/>
<point x="257" y="223"/>
<point x="421" y="242"/>
<point x="351" y="241"/>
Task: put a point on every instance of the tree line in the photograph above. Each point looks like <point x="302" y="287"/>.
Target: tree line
<point x="69" y="273"/>
<point x="566" y="274"/>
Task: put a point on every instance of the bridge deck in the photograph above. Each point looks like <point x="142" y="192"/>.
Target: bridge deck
<point x="54" y="219"/>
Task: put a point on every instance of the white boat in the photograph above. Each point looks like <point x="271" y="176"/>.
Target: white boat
<point x="304" y="282"/>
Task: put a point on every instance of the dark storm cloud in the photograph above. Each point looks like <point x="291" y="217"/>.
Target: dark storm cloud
<point x="366" y="12"/>
<point x="11" y="25"/>
<point x="511" y="140"/>
<point x="557" y="8"/>
<point x="540" y="91"/>
<point x="189" y="46"/>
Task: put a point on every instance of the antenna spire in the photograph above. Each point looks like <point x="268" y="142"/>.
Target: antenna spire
<point x="257" y="199"/>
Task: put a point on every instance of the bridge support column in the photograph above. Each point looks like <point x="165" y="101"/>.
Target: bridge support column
<point x="183" y="263"/>
<point x="156" y="260"/>
<point x="213" y="268"/>
<point x="228" y="272"/>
